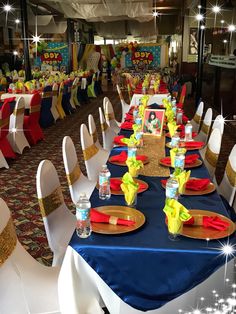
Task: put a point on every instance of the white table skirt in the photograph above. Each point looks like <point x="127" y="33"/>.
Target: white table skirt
<point x="27" y="98"/>
<point x="157" y="98"/>
<point x="82" y="291"/>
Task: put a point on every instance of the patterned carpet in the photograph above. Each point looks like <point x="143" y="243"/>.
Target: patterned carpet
<point x="18" y="184"/>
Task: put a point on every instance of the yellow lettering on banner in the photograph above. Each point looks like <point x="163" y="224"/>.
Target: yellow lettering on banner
<point x="142" y="54"/>
<point x="149" y="61"/>
<point x="56" y="54"/>
<point x="51" y="54"/>
<point x="137" y="54"/>
<point x="147" y="54"/>
<point x="46" y="55"/>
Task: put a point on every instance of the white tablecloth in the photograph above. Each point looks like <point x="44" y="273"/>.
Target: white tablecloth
<point x="27" y="98"/>
<point x="82" y="291"/>
<point x="156" y="98"/>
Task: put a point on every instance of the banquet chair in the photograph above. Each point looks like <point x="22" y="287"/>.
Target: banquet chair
<point x="110" y="115"/>
<point x="196" y="121"/>
<point x="58" y="221"/>
<point x="3" y="162"/>
<point x="54" y="102"/>
<point x="26" y="286"/>
<point x="125" y="107"/>
<point x="16" y="135"/>
<point x="108" y="133"/>
<point x="205" y="128"/>
<point x="93" y="157"/>
<point x="78" y="183"/>
<point x="66" y="95"/>
<point x="219" y="124"/>
<point x="46" y="117"/>
<point x="91" y="91"/>
<point x="211" y="151"/>
<point x="59" y="102"/>
<point x="94" y="135"/>
<point x="73" y="96"/>
<point x="32" y="129"/>
<point x="5" y="146"/>
<point x="227" y="187"/>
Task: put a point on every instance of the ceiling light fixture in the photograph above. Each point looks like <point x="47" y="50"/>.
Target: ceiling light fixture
<point x="202" y="27"/>
<point x="15" y="53"/>
<point x="222" y="21"/>
<point x="36" y="39"/>
<point x="7" y="7"/>
<point x="231" y="28"/>
<point x="216" y="9"/>
<point x="155" y="13"/>
<point x="199" y="17"/>
<point x="17" y="21"/>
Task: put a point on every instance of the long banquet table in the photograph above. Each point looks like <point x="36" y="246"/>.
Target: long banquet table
<point x="155" y="98"/>
<point x="143" y="271"/>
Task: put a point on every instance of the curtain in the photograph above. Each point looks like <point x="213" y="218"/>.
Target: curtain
<point x="88" y="49"/>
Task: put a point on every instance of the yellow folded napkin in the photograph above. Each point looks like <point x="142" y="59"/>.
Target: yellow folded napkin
<point x="170" y="115"/>
<point x="172" y="126"/>
<point x="131" y="141"/>
<point x="176" y="214"/>
<point x="134" y="165"/>
<point x="129" y="188"/>
<point x="182" y="177"/>
<point x="144" y="100"/>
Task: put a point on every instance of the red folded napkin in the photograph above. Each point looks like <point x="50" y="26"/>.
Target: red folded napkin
<point x="10" y="99"/>
<point x="213" y="222"/>
<point x="193" y="144"/>
<point x="185" y="119"/>
<point x="182" y="134"/>
<point x="131" y="109"/>
<point x="117" y="140"/>
<point x="115" y="185"/>
<point x="189" y="159"/>
<point x="179" y="105"/>
<point x="96" y="216"/>
<point x="197" y="184"/>
<point x="127" y="125"/>
<point x="123" y="156"/>
<point x="129" y="117"/>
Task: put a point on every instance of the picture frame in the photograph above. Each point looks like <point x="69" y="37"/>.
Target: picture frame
<point x="153" y="121"/>
<point x="193" y="41"/>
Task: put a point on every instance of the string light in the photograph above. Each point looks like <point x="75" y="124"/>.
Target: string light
<point x="231" y="28"/>
<point x="17" y="21"/>
<point x="216" y="9"/>
<point x="199" y="17"/>
<point x="15" y="53"/>
<point x="7" y="7"/>
<point x="202" y="26"/>
<point x="155" y="13"/>
<point x="36" y="39"/>
<point x="222" y="21"/>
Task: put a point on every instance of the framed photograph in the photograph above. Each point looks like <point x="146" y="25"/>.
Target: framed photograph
<point x="153" y="121"/>
<point x="193" y="41"/>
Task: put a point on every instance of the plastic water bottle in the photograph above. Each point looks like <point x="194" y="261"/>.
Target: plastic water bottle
<point x="83" y="226"/>
<point x="132" y="151"/>
<point x="104" y="183"/>
<point x="173" y="102"/>
<point x="175" y="140"/>
<point x="179" y="160"/>
<point x="179" y="116"/>
<point x="188" y="132"/>
<point x="172" y="187"/>
<point x="135" y="112"/>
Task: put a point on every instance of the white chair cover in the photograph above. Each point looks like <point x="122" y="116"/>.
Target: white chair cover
<point x="211" y="152"/>
<point x="125" y="107"/>
<point x="94" y="134"/>
<point x="227" y="187"/>
<point x="83" y="83"/>
<point x="59" y="222"/>
<point x="3" y="162"/>
<point x="107" y="132"/>
<point x="219" y="124"/>
<point x="110" y="115"/>
<point x="196" y="121"/>
<point x="93" y="60"/>
<point x="73" y="96"/>
<point x="205" y="128"/>
<point x="77" y="182"/>
<point x="54" y="102"/>
<point x="93" y="157"/>
<point x="16" y="135"/>
<point x="26" y="286"/>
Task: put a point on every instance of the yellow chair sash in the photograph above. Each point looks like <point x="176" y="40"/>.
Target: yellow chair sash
<point x="54" y="93"/>
<point x="4" y="122"/>
<point x="231" y="174"/>
<point x="110" y="116"/>
<point x="211" y="157"/>
<point x="47" y="94"/>
<point x="197" y="118"/>
<point x="95" y="136"/>
<point x="8" y="241"/>
<point x="74" y="175"/>
<point x="90" y="151"/>
<point x="18" y="111"/>
<point x="35" y="108"/>
<point x="51" y="202"/>
<point x="205" y="128"/>
<point x="104" y="126"/>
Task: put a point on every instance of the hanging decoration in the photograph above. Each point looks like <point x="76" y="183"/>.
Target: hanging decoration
<point x="121" y="51"/>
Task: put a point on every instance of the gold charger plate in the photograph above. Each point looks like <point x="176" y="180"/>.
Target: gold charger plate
<point x="210" y="188"/>
<point x="122" y="193"/>
<point x="197" y="163"/>
<point x="187" y="148"/>
<point x="123" y="212"/>
<point x="118" y="163"/>
<point x="199" y="232"/>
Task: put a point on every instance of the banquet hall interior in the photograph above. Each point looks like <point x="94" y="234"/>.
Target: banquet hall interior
<point x="118" y="156"/>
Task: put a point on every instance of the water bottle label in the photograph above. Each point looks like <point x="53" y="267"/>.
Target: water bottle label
<point x="82" y="214"/>
<point x="175" y="141"/>
<point x="131" y="153"/>
<point x="103" y="180"/>
<point x="188" y="129"/>
<point x="138" y="121"/>
<point x="179" y="118"/>
<point x="179" y="162"/>
<point x="171" y="192"/>
<point x="138" y="135"/>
